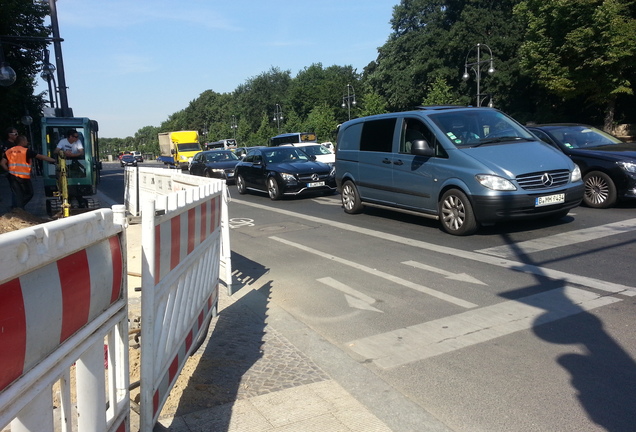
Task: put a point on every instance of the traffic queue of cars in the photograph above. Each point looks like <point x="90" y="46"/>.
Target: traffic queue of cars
<point x="464" y="166"/>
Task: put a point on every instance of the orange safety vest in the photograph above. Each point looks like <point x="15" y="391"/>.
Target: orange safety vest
<point x="18" y="164"/>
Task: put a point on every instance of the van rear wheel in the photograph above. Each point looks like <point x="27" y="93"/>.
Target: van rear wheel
<point x="351" y="198"/>
<point x="456" y="213"/>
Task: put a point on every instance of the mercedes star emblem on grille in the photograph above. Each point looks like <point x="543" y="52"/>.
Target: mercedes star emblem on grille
<point x="547" y="179"/>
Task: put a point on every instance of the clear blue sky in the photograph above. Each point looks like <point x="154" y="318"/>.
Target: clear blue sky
<point x="131" y="64"/>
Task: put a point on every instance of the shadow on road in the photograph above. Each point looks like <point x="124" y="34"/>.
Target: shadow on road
<point x="604" y="377"/>
<point x="232" y="348"/>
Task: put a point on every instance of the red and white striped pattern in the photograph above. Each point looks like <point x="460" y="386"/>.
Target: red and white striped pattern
<point x="43" y="308"/>
<point x="177" y="237"/>
<point x="171" y="375"/>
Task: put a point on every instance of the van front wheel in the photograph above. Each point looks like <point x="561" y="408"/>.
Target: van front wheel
<point x="456" y="213"/>
<point x="351" y="198"/>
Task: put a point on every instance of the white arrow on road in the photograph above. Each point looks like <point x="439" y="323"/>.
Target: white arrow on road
<point x="463" y="277"/>
<point x="355" y="299"/>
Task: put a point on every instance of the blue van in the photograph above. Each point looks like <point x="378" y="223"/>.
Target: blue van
<point x="461" y="165"/>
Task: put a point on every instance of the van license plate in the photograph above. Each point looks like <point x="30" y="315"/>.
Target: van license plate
<point x="315" y="184"/>
<point x="549" y="200"/>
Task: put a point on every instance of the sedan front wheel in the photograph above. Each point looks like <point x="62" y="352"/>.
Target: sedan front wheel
<point x="240" y="185"/>
<point x="600" y="191"/>
<point x="273" y="189"/>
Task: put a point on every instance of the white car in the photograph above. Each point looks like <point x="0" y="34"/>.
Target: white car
<point x="319" y="151"/>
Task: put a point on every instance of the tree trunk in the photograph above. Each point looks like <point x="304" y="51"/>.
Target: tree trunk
<point x="610" y="109"/>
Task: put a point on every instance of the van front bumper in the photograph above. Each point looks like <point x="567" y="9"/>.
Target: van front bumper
<point x="496" y="208"/>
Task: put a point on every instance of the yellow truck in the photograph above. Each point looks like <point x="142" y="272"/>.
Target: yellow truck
<point x="178" y="148"/>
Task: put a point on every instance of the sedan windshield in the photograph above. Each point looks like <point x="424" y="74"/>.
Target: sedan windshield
<point x="480" y="126"/>
<point x="582" y="136"/>
<point x="284" y="154"/>
<point x="220" y="156"/>
<point x="316" y="150"/>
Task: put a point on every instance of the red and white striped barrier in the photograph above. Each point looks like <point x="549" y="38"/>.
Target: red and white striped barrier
<point x="62" y="301"/>
<point x="181" y="255"/>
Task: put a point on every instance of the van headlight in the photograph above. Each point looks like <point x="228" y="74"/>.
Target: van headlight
<point x="332" y="173"/>
<point x="495" y="182"/>
<point x="576" y="174"/>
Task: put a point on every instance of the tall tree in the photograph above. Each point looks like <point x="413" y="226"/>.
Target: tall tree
<point x="19" y="18"/>
<point x="577" y="48"/>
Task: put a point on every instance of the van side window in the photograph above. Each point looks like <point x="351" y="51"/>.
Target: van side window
<point x="377" y="135"/>
<point x="413" y="130"/>
<point x="349" y="138"/>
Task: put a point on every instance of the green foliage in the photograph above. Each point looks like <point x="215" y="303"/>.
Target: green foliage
<point x="22" y="18"/>
<point x="372" y="103"/>
<point x="322" y="122"/>
<point x="440" y="93"/>
<point x="576" y="49"/>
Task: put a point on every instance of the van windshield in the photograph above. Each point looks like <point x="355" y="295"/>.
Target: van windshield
<point x="478" y="127"/>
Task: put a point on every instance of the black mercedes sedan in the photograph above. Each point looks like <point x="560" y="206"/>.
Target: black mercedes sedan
<point x="608" y="165"/>
<point x="214" y="164"/>
<point x="281" y="171"/>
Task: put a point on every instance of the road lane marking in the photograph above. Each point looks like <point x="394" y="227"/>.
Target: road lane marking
<point x="354" y="298"/>
<point x="486" y="259"/>
<point x="462" y="277"/>
<point x="561" y="240"/>
<point x="448" y="334"/>
<point x="397" y="280"/>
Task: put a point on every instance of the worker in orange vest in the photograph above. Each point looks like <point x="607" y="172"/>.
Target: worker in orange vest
<point x="17" y="162"/>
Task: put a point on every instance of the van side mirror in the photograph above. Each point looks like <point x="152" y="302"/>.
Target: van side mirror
<point x="422" y="148"/>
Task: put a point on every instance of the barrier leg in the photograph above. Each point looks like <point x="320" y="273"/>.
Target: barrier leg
<point x="91" y="407"/>
<point x="37" y="416"/>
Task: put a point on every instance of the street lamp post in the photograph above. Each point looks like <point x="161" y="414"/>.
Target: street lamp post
<point x="476" y="68"/>
<point x="234" y="126"/>
<point x="278" y="116"/>
<point x="349" y="99"/>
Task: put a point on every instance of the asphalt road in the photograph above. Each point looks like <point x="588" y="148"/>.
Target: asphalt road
<point x="524" y="326"/>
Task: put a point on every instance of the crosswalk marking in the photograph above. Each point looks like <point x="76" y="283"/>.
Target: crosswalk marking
<point x="421" y="288"/>
<point x="458" y="253"/>
<point x="560" y="240"/>
<point x="444" y="335"/>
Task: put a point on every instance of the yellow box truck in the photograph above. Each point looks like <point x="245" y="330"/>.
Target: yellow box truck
<point x="178" y="148"/>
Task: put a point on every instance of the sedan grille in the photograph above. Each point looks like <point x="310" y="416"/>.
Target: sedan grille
<point x="544" y="180"/>
<point x="313" y="177"/>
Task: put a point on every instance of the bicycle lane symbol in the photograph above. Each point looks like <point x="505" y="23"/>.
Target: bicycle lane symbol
<point x="240" y="222"/>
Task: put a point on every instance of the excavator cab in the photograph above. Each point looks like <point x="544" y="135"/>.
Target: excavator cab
<point x="70" y="190"/>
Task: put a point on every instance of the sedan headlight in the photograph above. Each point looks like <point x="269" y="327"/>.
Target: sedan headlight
<point x="288" y="177"/>
<point x="576" y="174"/>
<point x="630" y="167"/>
<point x="495" y="182"/>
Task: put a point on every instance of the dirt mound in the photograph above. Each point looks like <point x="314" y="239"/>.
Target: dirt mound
<point x="17" y="219"/>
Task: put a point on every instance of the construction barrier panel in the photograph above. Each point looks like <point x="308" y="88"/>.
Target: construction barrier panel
<point x="64" y="325"/>
<point x="145" y="183"/>
<point x="181" y="249"/>
<point x="142" y="181"/>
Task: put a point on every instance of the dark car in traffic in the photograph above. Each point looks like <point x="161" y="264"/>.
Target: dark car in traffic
<point x="608" y="165"/>
<point x="214" y="164"/>
<point x="281" y="171"/>
<point x="128" y="160"/>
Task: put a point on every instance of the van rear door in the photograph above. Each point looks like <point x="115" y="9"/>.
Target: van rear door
<point x="375" y="181"/>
